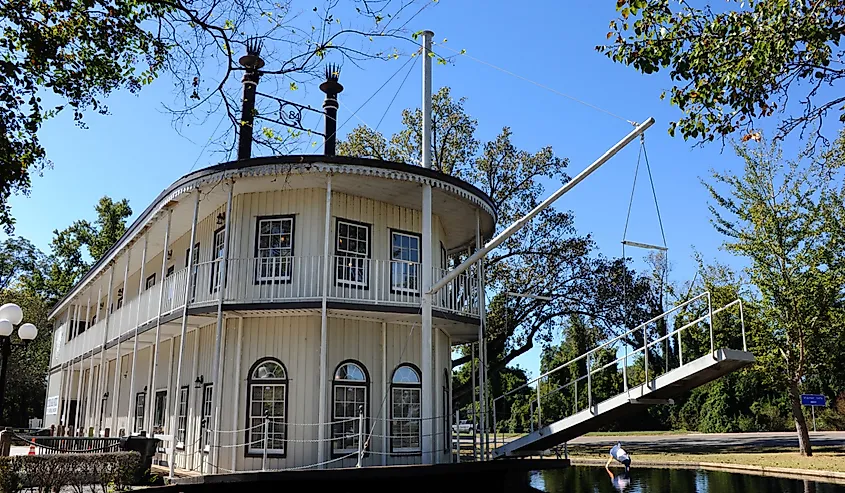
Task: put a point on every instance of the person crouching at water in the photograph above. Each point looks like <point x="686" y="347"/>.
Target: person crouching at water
<point x="621" y="481"/>
<point x="618" y="453"/>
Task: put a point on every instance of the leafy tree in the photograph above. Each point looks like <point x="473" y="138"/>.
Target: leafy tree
<point x="26" y="383"/>
<point x="546" y="257"/>
<point x="785" y="218"/>
<point x="732" y="66"/>
<point x="74" y="54"/>
<point x="18" y="257"/>
<point x="67" y="262"/>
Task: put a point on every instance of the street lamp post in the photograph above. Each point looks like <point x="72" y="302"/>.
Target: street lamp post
<point x="10" y="316"/>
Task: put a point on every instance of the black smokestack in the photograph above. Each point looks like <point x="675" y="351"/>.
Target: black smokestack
<point x="252" y="62"/>
<point x="332" y="88"/>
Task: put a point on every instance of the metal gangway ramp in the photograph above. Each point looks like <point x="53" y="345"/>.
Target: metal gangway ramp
<point x="641" y="385"/>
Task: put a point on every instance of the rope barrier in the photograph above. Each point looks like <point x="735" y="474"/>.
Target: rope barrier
<point x="28" y="440"/>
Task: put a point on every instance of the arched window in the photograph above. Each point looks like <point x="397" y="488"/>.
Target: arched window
<point x="267" y="386"/>
<point x="350" y="388"/>
<point x="405" y="400"/>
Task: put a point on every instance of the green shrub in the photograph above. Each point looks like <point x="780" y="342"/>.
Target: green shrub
<point x="50" y="473"/>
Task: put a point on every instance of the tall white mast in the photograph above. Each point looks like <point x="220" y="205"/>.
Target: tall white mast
<point x="426" y="247"/>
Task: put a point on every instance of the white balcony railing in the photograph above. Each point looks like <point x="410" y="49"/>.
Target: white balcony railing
<point x="282" y="279"/>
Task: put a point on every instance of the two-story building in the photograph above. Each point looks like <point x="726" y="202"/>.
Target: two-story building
<point x="256" y="309"/>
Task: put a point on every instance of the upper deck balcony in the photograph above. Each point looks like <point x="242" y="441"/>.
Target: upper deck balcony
<point x="282" y="282"/>
<point x="290" y="197"/>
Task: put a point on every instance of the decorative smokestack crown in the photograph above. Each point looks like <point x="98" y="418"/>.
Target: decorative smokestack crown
<point x="252" y="60"/>
<point x="331" y="86"/>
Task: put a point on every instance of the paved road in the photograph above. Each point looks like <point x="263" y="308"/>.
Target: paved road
<point x="714" y="442"/>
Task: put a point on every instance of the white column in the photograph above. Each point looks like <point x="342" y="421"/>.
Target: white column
<point x="79" y="410"/>
<point x="191" y="433"/>
<point x="427" y="375"/>
<point x="74" y="322"/>
<point x="91" y="365"/>
<point x="449" y="407"/>
<point x="188" y="286"/>
<point x="436" y="396"/>
<point x="115" y="403"/>
<point x="482" y="347"/>
<point x="152" y="385"/>
<point x="237" y="394"/>
<point x="102" y="378"/>
<point x="324" y="329"/>
<point x="131" y="424"/>
<point x="65" y="383"/>
<point x="217" y="367"/>
<point x="385" y="397"/>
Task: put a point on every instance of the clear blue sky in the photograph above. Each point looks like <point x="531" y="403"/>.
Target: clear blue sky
<point x="135" y="152"/>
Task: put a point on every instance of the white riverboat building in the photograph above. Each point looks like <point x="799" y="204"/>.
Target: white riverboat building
<point x="256" y="309"/>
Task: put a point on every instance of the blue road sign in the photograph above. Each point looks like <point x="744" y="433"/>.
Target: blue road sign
<point x="813" y="400"/>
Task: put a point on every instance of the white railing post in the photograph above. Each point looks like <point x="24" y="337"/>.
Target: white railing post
<point x="539" y="409"/>
<point x="266" y="436"/>
<point x="645" y="351"/>
<point x="458" y="436"/>
<point x="742" y="324"/>
<point x="625" y="369"/>
<point x="680" y="351"/>
<point x="360" y="436"/>
<point x="710" y="317"/>
<point x="589" y="384"/>
<point x="495" y="428"/>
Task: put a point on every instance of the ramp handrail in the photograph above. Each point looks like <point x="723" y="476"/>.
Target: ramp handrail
<point x="537" y="404"/>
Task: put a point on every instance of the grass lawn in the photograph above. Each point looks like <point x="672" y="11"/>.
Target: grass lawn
<point x="635" y="433"/>
<point x="824" y="458"/>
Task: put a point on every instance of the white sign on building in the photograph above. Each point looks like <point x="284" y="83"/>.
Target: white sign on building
<point x="52" y="405"/>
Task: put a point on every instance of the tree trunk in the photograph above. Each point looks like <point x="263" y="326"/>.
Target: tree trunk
<point x="800" y="423"/>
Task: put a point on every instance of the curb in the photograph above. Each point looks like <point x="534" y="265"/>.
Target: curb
<point x="831" y="476"/>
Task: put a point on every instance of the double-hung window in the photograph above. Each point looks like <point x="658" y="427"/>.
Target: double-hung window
<point x="274" y="249"/>
<point x="217" y="258"/>
<point x="405" y="400"/>
<point x="405" y="262"/>
<point x="352" y="249"/>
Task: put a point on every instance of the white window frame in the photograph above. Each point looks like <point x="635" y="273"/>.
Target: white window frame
<point x="147" y="283"/>
<point x="182" y="404"/>
<point x="140" y="402"/>
<point x="283" y="262"/>
<point x="400" y="388"/>
<point x="347" y="426"/>
<point x="347" y="274"/>
<point x="406" y="269"/>
<point x="217" y="247"/>
<point x="159" y="421"/>
<point x="205" y="424"/>
<point x="255" y="422"/>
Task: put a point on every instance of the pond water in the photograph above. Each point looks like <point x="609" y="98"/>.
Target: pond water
<point x="583" y="479"/>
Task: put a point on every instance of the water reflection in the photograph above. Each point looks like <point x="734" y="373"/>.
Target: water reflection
<point x="580" y="479"/>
